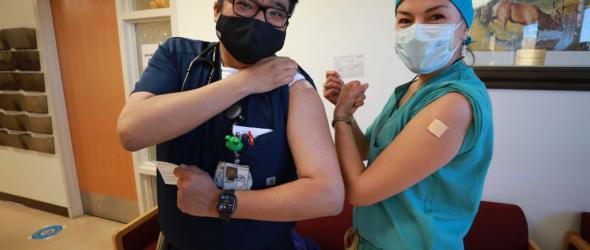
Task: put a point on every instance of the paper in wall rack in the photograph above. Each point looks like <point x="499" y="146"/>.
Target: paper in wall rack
<point x="15" y="81"/>
<point x="18" y="50"/>
<point x="23" y="60"/>
<point x="6" y="62"/>
<point x="3" y="45"/>
<point x="24" y="101"/>
<point x="27" y="141"/>
<point x="19" y="38"/>
<point x="26" y="60"/>
<point x="23" y="121"/>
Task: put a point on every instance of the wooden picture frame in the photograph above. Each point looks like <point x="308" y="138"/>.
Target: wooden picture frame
<point x="535" y="78"/>
<point x="546" y="49"/>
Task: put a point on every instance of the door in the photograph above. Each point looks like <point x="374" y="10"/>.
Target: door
<point x="89" y="55"/>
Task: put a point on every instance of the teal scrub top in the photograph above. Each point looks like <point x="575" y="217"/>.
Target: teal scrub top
<point x="437" y="212"/>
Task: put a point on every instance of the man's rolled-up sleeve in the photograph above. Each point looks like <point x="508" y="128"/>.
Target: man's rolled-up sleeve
<point x="162" y="73"/>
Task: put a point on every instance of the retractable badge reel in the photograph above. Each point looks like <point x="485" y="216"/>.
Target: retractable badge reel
<point x="234" y="176"/>
<point x="234" y="142"/>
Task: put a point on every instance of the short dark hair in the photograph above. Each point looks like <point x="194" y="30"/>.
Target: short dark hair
<point x="292" y="4"/>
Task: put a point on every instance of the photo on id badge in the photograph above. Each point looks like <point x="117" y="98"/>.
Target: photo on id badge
<point x="233" y="177"/>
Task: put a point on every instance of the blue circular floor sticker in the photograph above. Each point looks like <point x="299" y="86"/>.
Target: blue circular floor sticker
<point x="47" y="232"/>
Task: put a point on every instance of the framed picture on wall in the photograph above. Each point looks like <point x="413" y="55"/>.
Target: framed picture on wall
<point x="532" y="44"/>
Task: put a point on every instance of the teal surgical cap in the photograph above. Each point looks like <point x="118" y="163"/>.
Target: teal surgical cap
<point x="464" y="6"/>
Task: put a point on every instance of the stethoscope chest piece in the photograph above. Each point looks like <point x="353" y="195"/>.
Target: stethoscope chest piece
<point x="234" y="112"/>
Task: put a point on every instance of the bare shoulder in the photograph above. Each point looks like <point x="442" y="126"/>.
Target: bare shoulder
<point x="303" y="93"/>
<point x="302" y="84"/>
<point x="305" y="105"/>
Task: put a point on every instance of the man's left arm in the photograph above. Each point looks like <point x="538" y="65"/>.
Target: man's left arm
<point x="318" y="192"/>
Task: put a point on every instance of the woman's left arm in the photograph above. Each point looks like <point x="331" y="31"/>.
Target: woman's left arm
<point x="423" y="147"/>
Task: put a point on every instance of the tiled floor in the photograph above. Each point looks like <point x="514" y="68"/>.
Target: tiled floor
<point x="18" y="222"/>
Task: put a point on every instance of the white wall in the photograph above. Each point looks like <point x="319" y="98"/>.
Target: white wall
<point x="16" y="14"/>
<point x="25" y="173"/>
<point x="320" y="31"/>
<point x="195" y="19"/>
<point x="542" y="151"/>
<point x="323" y="30"/>
<point x="542" y="159"/>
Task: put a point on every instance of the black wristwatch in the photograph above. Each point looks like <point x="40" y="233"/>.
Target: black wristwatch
<point x="227" y="205"/>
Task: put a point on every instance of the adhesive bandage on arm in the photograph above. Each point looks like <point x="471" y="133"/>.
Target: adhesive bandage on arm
<point x="437" y="128"/>
<point x="299" y="77"/>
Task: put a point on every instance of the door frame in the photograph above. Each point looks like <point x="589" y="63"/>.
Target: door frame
<point x="64" y="151"/>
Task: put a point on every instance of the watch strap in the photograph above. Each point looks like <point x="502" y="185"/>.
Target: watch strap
<point x="224" y="215"/>
<point x="347" y="119"/>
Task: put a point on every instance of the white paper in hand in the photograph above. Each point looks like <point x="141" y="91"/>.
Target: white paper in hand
<point x="167" y="171"/>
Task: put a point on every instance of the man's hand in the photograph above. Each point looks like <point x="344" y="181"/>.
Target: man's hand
<point x="268" y="74"/>
<point x="197" y="194"/>
<point x="351" y="98"/>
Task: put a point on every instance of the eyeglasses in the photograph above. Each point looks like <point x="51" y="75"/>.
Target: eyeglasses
<point x="277" y="17"/>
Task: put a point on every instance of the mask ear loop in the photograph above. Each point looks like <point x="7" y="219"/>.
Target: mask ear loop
<point x="464" y="48"/>
<point x="464" y="42"/>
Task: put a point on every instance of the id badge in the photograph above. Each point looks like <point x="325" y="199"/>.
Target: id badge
<point x="229" y="176"/>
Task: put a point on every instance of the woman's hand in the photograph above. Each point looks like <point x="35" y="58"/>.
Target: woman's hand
<point x="332" y="86"/>
<point x="351" y="98"/>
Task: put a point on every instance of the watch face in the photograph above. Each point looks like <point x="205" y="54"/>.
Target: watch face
<point x="227" y="203"/>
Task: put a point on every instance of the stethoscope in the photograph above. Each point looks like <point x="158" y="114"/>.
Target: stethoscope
<point x="234" y="112"/>
<point x="202" y="58"/>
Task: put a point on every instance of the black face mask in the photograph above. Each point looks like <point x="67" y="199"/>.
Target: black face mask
<point x="249" y="40"/>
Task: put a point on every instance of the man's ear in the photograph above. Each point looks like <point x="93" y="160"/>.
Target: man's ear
<point x="216" y="11"/>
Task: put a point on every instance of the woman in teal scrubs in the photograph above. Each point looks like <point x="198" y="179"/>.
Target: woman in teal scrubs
<point x="429" y="150"/>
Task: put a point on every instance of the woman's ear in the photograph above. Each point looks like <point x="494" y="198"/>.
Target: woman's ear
<point x="465" y="33"/>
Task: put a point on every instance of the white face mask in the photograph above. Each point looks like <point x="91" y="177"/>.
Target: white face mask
<point x="426" y="48"/>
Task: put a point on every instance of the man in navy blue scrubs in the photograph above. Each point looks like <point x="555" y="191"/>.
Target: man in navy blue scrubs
<point x="247" y="128"/>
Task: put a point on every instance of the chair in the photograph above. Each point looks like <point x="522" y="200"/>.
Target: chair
<point x="579" y="241"/>
<point x="139" y="234"/>
<point x="327" y="232"/>
<point x="496" y="226"/>
<point x="499" y="226"/>
<point x="142" y="233"/>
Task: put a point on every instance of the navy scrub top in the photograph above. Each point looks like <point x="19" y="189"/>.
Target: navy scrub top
<point x="204" y="147"/>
